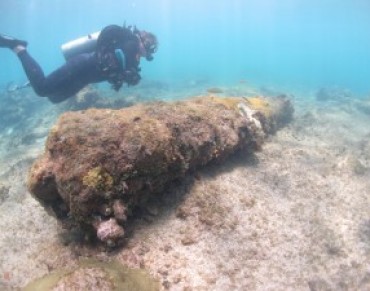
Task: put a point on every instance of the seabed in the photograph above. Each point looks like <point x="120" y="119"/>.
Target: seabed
<point x="292" y="216"/>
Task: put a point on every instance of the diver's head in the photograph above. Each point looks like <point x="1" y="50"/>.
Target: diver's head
<point x="148" y="43"/>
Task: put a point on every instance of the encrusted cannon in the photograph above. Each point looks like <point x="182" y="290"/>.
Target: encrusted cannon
<point x="99" y="164"/>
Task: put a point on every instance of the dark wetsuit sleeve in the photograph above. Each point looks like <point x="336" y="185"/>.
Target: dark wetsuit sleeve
<point x="130" y="49"/>
<point x="132" y="70"/>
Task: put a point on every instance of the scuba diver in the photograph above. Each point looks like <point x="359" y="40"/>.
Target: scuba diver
<point x="112" y="55"/>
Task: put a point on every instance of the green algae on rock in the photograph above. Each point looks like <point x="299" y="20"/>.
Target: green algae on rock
<point x="215" y="90"/>
<point x="101" y="163"/>
<point x="95" y="275"/>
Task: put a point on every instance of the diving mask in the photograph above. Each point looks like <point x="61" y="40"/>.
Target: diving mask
<point x="148" y="44"/>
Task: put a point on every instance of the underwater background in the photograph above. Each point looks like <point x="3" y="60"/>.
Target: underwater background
<point x="292" y="216"/>
<point x="288" y="42"/>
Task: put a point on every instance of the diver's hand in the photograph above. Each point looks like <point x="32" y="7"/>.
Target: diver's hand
<point x="117" y="85"/>
<point x="132" y="77"/>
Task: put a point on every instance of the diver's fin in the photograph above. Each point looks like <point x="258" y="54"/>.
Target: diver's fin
<point x="14" y="87"/>
<point x="24" y="85"/>
<point x="10" y="42"/>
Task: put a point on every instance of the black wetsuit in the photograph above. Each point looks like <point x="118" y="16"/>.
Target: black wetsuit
<point x="81" y="70"/>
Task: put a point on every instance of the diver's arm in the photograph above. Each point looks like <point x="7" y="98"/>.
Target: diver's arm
<point x="132" y="69"/>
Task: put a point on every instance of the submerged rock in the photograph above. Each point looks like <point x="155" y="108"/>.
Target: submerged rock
<point x="95" y="275"/>
<point x="363" y="106"/>
<point x="99" y="165"/>
<point x="4" y="192"/>
<point x="90" y="97"/>
<point x="215" y="90"/>
<point x="333" y="94"/>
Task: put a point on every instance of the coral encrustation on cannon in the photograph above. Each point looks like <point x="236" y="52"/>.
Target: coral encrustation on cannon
<point x="99" y="164"/>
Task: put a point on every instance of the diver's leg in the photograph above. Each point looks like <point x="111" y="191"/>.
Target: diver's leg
<point x="61" y="84"/>
<point x="70" y="78"/>
<point x="31" y="67"/>
<point x="34" y="73"/>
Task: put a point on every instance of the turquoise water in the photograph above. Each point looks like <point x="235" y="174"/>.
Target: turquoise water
<point x="297" y="212"/>
<point x="285" y="42"/>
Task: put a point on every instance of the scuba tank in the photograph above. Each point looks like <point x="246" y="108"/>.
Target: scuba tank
<point x="85" y="44"/>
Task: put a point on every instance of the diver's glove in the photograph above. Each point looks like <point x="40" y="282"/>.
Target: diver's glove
<point x="117" y="84"/>
<point x="132" y="76"/>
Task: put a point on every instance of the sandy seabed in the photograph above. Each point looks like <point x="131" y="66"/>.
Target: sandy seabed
<point x="294" y="216"/>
